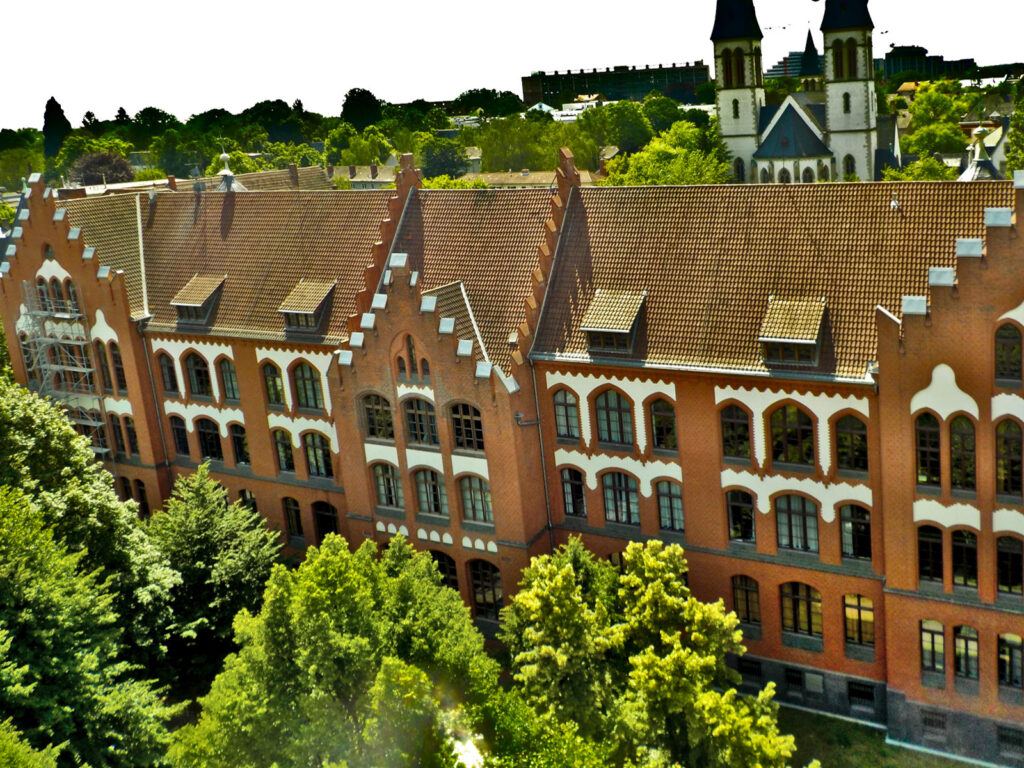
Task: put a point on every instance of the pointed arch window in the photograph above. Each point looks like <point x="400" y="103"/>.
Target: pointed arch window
<point x="765" y="176"/>
<point x="1008" y="354"/>
<point x="851" y="59"/>
<point x="379" y="419"/>
<point x="306" y="381"/>
<point x="198" y="376"/>
<point x="1009" y="451"/>
<point x="567" y="415"/>
<point x="792" y="436"/>
<point x="849" y="166"/>
<point x="739" y="170"/>
<point x="740" y="508"/>
<point x="486" y="584"/>
<point x="846" y="103"/>
<point x="448" y="569"/>
<point x="929" y="457"/>
<point x="838" y="60"/>
<point x="621" y="501"/>
<point x="961" y="454"/>
<point x="573" y="495"/>
<point x="389" y="486"/>
<point x="168" y="374"/>
<point x="855" y="531"/>
<point x="614" y="418"/>
<point x="239" y="444"/>
<point x="293" y="522"/>
<point x="180" y="435"/>
<point x="283" y="450"/>
<point x="807" y="177"/>
<point x="133" y="438"/>
<point x="739" y="67"/>
<point x="851" y="444"/>
<point x="735" y="432"/>
<point x="929" y="553"/>
<point x="663" y="425"/>
<point x="318" y="455"/>
<point x="727" y="68"/>
<point x="209" y="440"/>
<point x="228" y="380"/>
<point x="119" y="377"/>
<point x="273" y="384"/>
<point x="735" y="109"/>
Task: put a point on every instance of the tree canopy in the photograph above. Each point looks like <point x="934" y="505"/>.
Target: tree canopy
<point x="684" y="154"/>
<point x="55" y="127"/>
<point x="925" y="169"/>
<point x="442" y="157"/>
<point x="101" y="168"/>
<point x="360" y="108"/>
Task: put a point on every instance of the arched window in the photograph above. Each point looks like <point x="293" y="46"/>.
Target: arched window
<point x="746" y="599"/>
<point x="209" y="440"/>
<point x="860" y="620"/>
<point x="792" y="436"/>
<point x="389" y="486"/>
<point x="325" y="520"/>
<point x="670" y="505"/>
<point x="621" y="502"/>
<point x="573" y="495"/>
<point x="727" y="68"/>
<point x="410" y="348"/>
<point x="614" y="418"/>
<point x="142" y="499"/>
<point x="476" y="500"/>
<point x="851" y="59"/>
<point x="273" y="384"/>
<point x="133" y="438"/>
<point x="823" y="173"/>
<point x="929" y="553"/>
<point x="126" y="489"/>
<point x="198" y="376"/>
<point x="467" y="427"/>
<point x="933" y="646"/>
<point x="248" y="499"/>
<point x="663" y="425"/>
<point x="239" y="444"/>
<point x="785" y="177"/>
<point x="424" y="367"/>
<point x="1008" y="458"/>
<point x="318" y="455"/>
<point x="420" y="422"/>
<point x="856" y="531"/>
<point x="430" y="493"/>
<point x="1011" y="653"/>
<point x="1008" y="354"/>
<point x="283" y="450"/>
<point x="735" y="432"/>
<point x="293" y="522"/>
<point x="807" y="177"/>
<point x="851" y="444"/>
<point x="168" y="374"/>
<point x="401" y="368"/>
<point x="72" y="296"/>
<point x="56" y="295"/>
<point x="739" y="170"/>
<point x="116" y="436"/>
<point x="849" y="166"/>
<point x="846" y="103"/>
<point x="929" y="456"/>
<point x="965" y="652"/>
<point x="448" y="569"/>
<point x="801" y="609"/>
<point x="735" y="109"/>
<point x="567" y="415"/>
<point x="961" y="454"/>
<point x="739" y="67"/>
<point x="765" y="176"/>
<point x="118" y="364"/>
<point x="306" y="381"/>
<point x="797" y="521"/>
<point x="228" y="379"/>
<point x="1010" y="565"/>
<point x="838" y="61"/>
<point x="486" y="582"/>
<point x="180" y="435"/>
<point x="379" y="420"/>
<point x="965" y="559"/>
<point x="740" y="508"/>
<point x="43" y="294"/>
<point x="758" y="69"/>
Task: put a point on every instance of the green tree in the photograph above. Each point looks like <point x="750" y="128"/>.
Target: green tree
<point x="149" y="123"/>
<point x="21" y="155"/>
<point x="224" y="554"/>
<point x="1015" y="138"/>
<point x="337" y="140"/>
<point x="342" y="644"/>
<point x="442" y="157"/>
<point x="925" y="169"/>
<point x="447" y="182"/>
<point x="55" y="127"/>
<point x="489" y="102"/>
<point x="935" y="137"/>
<point x="238" y="162"/>
<point x="15" y="752"/>
<point x="628" y="127"/>
<point x="65" y="684"/>
<point x="282" y="155"/>
<point x="80" y="143"/>
<point x="55" y="467"/>
<point x="360" y="108"/>
<point x="101" y="168"/>
<point x="6" y="215"/>
<point x="661" y="112"/>
<point x="636" y="662"/>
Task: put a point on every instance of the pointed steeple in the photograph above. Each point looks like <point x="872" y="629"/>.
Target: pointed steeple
<point x="810" y="64"/>
<point x="846" y="14"/>
<point x="735" y="19"/>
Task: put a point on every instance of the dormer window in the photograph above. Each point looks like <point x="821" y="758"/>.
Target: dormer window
<point x="303" y="310"/>
<point x="611" y="320"/>
<point x="196" y="301"/>
<point x="791" y="331"/>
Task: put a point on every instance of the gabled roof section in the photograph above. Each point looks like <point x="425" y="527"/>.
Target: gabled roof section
<point x="310" y="178"/>
<point x="791" y="135"/>
<point x="735" y="19"/>
<point x="485" y="238"/>
<point x="307" y="296"/>
<point x="710" y="256"/>
<point x="453" y="302"/>
<point x="612" y="310"/>
<point x="198" y="290"/>
<point x="797" y="320"/>
<point x="846" y="14"/>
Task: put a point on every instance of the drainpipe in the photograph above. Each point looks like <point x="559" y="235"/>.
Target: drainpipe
<point x="147" y="350"/>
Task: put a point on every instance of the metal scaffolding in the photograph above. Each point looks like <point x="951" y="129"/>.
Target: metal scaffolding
<point x="58" y="358"/>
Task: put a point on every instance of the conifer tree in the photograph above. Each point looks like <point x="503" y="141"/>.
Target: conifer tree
<point x="55" y="127"/>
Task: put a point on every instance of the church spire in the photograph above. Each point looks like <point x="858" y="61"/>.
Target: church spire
<point x="846" y="14"/>
<point x="810" y="63"/>
<point x="735" y="19"/>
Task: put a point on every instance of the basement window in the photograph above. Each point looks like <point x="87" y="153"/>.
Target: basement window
<point x="611" y="320"/>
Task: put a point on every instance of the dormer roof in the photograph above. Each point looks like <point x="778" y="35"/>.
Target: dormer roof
<point x="735" y="19"/>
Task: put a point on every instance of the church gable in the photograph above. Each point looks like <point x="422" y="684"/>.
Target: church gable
<point x="791" y="134"/>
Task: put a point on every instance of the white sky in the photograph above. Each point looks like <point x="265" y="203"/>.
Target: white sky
<point x="186" y="56"/>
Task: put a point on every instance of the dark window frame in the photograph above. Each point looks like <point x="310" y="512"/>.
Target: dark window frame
<point x="378" y="416"/>
<point x="741" y="516"/>
<point x="284" y="450"/>
<point x="431" y="493"/>
<point x="962" y="454"/>
<point x="929" y="553"/>
<point x="317" y="448"/>
<point x="801" y="609"/>
<point x="273" y="384"/>
<point x="388" y="485"/>
<point x="965" y="652"/>
<point x="200" y="383"/>
<point x="1008" y="353"/>
<point x="614" y="414"/>
<point x="796" y="523"/>
<point x="662" y="414"/>
<point x="933" y="646"/>
<point x="670" y="505"/>
<point x="485" y="581"/>
<point x="859" y="620"/>
<point x="855" y="531"/>
<point x="792" y="436"/>
<point x="168" y="374"/>
<point x="308" y="391"/>
<point x="928" y="449"/>
<point x="239" y="444"/>
<point x="420" y="421"/>
<point x="567" y="414"/>
<point x="735" y="432"/>
<point x="210" y="446"/>
<point x="851" y="437"/>
<point x="574" y="497"/>
<point x="621" y="498"/>
<point x="475" y="494"/>
<point x="467" y="427"/>
<point x="746" y="599"/>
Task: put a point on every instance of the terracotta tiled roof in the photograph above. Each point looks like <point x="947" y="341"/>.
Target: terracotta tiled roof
<point x="197" y="290"/>
<point x="612" y="311"/>
<point x="488" y="239"/>
<point x="309" y="178"/>
<point x="307" y="296"/>
<point x="792" y="319"/>
<point x="452" y="302"/>
<point x="264" y="242"/>
<point x="711" y="256"/>
<point x="110" y="224"/>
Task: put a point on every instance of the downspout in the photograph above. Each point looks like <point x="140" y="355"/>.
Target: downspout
<point x="157" y="406"/>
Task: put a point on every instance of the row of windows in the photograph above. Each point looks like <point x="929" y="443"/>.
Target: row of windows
<point x="733" y="67"/>
<point x="421" y="422"/>
<point x="57" y="297"/>
<point x="801" y="610"/>
<point x="1009" y="559"/>
<point x="622" y="500"/>
<point x="844" y="60"/>
<point x="1009" y="454"/>
<point x="431" y="497"/>
<point x="127" y="490"/>
<point x="614" y="414"/>
<point x="797" y="524"/>
<point x="966" y="661"/>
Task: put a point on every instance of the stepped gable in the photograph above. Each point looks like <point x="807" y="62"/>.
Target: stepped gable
<point x="710" y="257"/>
<point x="486" y="238"/>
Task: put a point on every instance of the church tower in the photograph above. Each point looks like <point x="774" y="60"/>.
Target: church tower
<point x="851" y="106"/>
<point x="739" y="81"/>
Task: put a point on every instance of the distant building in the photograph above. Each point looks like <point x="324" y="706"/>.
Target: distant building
<point x="679" y="81"/>
<point x="914" y="58"/>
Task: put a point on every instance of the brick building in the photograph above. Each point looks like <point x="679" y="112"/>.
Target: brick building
<point x="679" y="81"/>
<point x="816" y="389"/>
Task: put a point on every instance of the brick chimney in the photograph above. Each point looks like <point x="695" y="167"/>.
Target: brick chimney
<point x="351" y="171"/>
<point x="373" y="171"/>
<point x="172" y="183"/>
<point x="293" y="171"/>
